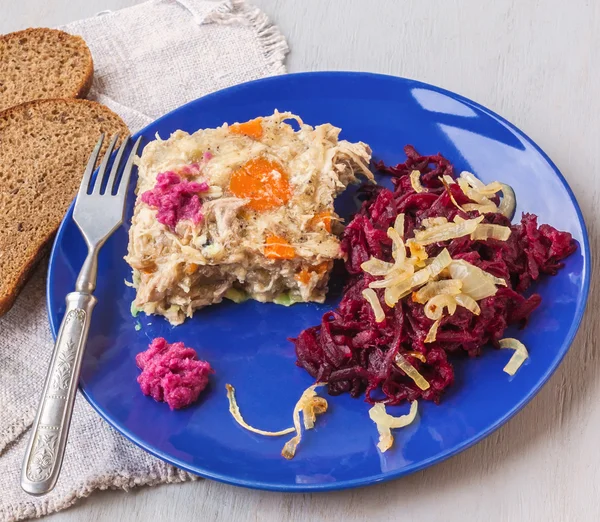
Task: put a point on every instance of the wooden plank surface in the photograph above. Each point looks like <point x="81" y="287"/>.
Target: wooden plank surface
<point x="537" y="63"/>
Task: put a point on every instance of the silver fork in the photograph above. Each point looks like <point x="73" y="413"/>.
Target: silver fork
<point x="97" y="214"/>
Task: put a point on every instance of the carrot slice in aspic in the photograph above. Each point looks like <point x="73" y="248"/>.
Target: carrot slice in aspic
<point x="252" y="128"/>
<point x="264" y="182"/>
<point x="305" y="274"/>
<point x="321" y="217"/>
<point x="278" y="248"/>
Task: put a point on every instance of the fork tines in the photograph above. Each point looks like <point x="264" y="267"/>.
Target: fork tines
<point x="101" y="186"/>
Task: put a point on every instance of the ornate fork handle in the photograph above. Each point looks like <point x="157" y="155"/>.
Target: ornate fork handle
<point x="44" y="455"/>
<point x="98" y="212"/>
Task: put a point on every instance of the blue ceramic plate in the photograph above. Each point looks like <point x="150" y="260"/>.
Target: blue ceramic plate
<point x="247" y="343"/>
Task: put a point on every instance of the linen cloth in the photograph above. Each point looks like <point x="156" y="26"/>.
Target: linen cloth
<point x="148" y="60"/>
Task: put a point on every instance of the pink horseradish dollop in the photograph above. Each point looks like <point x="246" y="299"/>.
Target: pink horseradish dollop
<point x="176" y="199"/>
<point x="172" y="373"/>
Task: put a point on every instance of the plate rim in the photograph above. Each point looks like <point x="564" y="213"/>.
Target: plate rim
<point x="384" y="476"/>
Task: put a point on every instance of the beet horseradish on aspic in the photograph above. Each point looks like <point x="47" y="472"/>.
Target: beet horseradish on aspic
<point x="435" y="268"/>
<point x="175" y="198"/>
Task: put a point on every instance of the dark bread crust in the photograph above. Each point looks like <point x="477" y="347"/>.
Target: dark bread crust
<point x="88" y="79"/>
<point x="35" y="191"/>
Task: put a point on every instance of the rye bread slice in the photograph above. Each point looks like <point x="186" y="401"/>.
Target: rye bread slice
<point x="43" y="63"/>
<point x="44" y="147"/>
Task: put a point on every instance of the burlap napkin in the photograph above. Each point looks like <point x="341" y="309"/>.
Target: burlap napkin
<point x="149" y="59"/>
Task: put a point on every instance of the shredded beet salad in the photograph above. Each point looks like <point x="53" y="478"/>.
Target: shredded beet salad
<point x="355" y="354"/>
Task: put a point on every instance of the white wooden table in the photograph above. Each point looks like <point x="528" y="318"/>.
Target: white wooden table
<point x="536" y="62"/>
